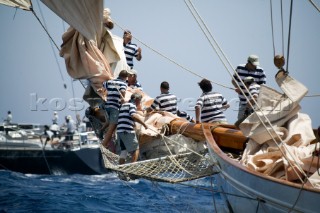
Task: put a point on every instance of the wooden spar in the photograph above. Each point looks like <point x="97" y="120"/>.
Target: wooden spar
<point x="226" y="136"/>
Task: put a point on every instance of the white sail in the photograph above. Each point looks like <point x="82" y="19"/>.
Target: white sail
<point x="22" y="4"/>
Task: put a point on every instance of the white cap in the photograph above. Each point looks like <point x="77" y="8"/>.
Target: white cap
<point x="254" y="59"/>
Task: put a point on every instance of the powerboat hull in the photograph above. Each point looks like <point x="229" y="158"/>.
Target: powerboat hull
<point x="87" y="161"/>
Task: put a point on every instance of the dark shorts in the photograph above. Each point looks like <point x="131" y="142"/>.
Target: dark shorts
<point x="128" y="141"/>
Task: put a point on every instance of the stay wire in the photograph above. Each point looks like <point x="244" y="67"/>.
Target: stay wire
<point x="15" y="13"/>
<point x="314" y="5"/>
<point x="272" y="31"/>
<point x="272" y="28"/>
<point x="44" y="26"/>
<point x="289" y="35"/>
<point x="282" y="27"/>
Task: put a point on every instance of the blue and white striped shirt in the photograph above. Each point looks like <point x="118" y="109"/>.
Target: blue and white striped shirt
<point x="165" y="102"/>
<point x="258" y="75"/>
<point x="131" y="51"/>
<point x="114" y="87"/>
<point x="125" y="120"/>
<point x="211" y="104"/>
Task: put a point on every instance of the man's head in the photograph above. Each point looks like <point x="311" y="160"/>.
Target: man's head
<point x="164" y="86"/>
<point x="132" y="76"/>
<point x="253" y="62"/>
<point x="127" y="36"/>
<point x="136" y="98"/>
<point x="123" y="74"/>
<point x="205" y="85"/>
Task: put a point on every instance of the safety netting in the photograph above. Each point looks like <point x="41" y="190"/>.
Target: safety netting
<point x="171" y="168"/>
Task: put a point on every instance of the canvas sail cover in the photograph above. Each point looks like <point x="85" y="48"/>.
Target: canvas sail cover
<point x="285" y="149"/>
<point x="22" y="4"/>
<point x="275" y="107"/>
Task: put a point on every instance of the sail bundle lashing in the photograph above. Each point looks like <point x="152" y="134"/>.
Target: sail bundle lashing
<point x="171" y="168"/>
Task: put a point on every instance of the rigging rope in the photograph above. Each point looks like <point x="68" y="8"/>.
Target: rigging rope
<point x="289" y="35"/>
<point x="272" y="32"/>
<point x="282" y="28"/>
<point x="311" y="96"/>
<point x="272" y="28"/>
<point x="315" y="6"/>
<point x="51" y="41"/>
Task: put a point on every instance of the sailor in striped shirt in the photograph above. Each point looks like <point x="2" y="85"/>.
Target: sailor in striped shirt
<point x="210" y="105"/>
<point x="130" y="50"/>
<point x="125" y="129"/>
<point x="165" y="101"/>
<point x="116" y="90"/>
<point x="252" y="69"/>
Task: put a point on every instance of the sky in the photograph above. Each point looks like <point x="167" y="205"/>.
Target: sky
<point x="33" y="73"/>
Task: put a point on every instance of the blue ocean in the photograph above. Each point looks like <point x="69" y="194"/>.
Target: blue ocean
<point x="104" y="193"/>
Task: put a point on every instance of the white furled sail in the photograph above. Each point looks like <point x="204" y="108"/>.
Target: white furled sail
<point x="22" y="4"/>
<point x="82" y="41"/>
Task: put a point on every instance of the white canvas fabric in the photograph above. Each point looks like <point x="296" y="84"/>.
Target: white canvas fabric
<point x="278" y="108"/>
<point x="88" y="21"/>
<point x="22" y="4"/>
<point x="286" y="153"/>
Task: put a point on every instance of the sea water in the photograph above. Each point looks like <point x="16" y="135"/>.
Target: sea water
<point x="104" y="193"/>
